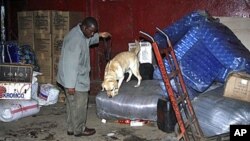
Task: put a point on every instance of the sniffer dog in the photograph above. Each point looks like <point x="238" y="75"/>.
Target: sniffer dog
<point x="114" y="71"/>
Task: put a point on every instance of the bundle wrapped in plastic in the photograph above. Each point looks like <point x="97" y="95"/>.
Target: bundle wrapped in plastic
<point x="216" y="113"/>
<point x="20" y="54"/>
<point x="207" y="51"/>
<point x="191" y="92"/>
<point x="131" y="102"/>
<point x="48" y="94"/>
<point x="199" y="68"/>
<point x="225" y="47"/>
<point x="178" y="29"/>
<point x="11" y="110"/>
<point x="11" y="52"/>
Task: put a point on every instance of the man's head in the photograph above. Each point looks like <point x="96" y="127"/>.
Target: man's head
<point x="89" y="26"/>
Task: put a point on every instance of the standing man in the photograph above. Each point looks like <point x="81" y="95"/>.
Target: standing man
<point x="73" y="73"/>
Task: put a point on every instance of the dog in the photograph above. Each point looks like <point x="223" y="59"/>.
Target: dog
<point x="116" y="68"/>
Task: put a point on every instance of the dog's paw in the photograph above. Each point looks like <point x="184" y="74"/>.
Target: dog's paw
<point x="136" y="85"/>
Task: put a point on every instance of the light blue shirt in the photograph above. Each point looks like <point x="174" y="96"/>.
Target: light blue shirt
<point x="74" y="63"/>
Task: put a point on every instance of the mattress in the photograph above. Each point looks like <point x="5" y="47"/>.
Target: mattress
<point x="216" y="113"/>
<point x="131" y="102"/>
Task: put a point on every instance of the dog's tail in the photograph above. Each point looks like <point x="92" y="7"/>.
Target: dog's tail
<point x="138" y="47"/>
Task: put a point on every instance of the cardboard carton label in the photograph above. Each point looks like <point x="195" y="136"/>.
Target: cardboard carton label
<point x="15" y="90"/>
<point x="238" y="86"/>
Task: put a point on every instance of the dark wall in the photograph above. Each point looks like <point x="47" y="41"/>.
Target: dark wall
<point x="71" y="5"/>
<point x="124" y="18"/>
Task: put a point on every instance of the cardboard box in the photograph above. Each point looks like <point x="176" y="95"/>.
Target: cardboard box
<point x="238" y="86"/>
<point x="15" y="90"/>
<point x="63" y="21"/>
<point x="46" y="70"/>
<point x="57" y="42"/>
<point x="42" y="21"/>
<point x="26" y="38"/>
<point x="55" y="68"/>
<point x="146" y="54"/>
<point x="42" y="79"/>
<point x="43" y="45"/>
<point x="25" y="21"/>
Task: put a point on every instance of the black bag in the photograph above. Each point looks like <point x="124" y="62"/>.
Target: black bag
<point x="146" y="71"/>
<point x="166" y="119"/>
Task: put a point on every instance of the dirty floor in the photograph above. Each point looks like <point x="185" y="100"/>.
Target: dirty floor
<point x="49" y="125"/>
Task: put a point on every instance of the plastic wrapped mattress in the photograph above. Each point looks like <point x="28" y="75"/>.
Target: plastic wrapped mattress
<point x="206" y="50"/>
<point x="131" y="102"/>
<point x="216" y="113"/>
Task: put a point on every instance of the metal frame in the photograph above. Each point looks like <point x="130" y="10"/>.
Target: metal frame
<point x="189" y="128"/>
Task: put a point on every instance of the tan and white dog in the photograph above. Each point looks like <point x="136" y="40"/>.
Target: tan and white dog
<point x="114" y="71"/>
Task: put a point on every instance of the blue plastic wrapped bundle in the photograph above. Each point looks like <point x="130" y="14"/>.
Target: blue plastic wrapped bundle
<point x="226" y="47"/>
<point x="28" y="56"/>
<point x="191" y="92"/>
<point x="199" y="68"/>
<point x="187" y="42"/>
<point x="178" y="29"/>
<point x="157" y="75"/>
<point x="11" y="52"/>
<point x="20" y="54"/>
<point x="207" y="52"/>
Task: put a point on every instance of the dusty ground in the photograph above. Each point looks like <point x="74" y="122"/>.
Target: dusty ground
<point x="49" y="125"/>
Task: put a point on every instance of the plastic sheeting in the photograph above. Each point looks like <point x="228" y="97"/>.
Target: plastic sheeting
<point x="216" y="113"/>
<point x="11" y="52"/>
<point x="206" y="50"/>
<point x="131" y="102"/>
<point x="11" y="110"/>
<point x="48" y="95"/>
<point x="20" y="54"/>
<point x="191" y="92"/>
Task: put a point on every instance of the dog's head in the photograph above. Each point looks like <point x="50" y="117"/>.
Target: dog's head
<point x="111" y="87"/>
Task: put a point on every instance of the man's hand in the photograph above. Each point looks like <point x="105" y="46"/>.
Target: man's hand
<point x="71" y="91"/>
<point x="104" y="34"/>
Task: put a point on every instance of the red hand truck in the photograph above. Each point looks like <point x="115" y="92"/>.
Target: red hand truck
<point x="188" y="128"/>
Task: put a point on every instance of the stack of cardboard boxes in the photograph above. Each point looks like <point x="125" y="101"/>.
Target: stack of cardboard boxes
<point x="44" y="32"/>
<point x="25" y="28"/>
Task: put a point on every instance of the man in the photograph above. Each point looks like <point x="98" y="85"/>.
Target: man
<point x="73" y="73"/>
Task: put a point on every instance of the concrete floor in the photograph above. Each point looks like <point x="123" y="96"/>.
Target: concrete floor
<point x="49" y="125"/>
